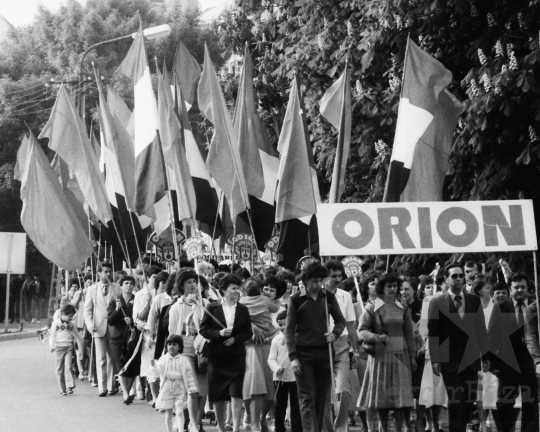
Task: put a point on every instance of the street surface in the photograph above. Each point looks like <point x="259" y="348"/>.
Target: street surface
<point x="30" y="400"/>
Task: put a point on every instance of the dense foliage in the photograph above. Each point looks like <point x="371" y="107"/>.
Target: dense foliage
<point x="36" y="58"/>
<point x="491" y="47"/>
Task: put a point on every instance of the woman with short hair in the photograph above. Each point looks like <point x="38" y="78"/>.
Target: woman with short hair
<point x="388" y="325"/>
<point x="228" y="326"/>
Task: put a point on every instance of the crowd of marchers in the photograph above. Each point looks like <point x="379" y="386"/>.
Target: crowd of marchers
<point x="310" y="350"/>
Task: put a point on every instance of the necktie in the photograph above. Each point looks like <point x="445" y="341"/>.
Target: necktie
<point x="105" y="291"/>
<point x="458" y="305"/>
<point x="521" y="321"/>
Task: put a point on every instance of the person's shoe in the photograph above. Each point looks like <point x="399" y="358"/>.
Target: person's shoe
<point x="94" y="384"/>
<point x="113" y="392"/>
<point x="140" y="396"/>
<point x="103" y="394"/>
<point x="33" y="321"/>
<point x="200" y="428"/>
<point x="63" y="393"/>
<point x="264" y="426"/>
<point x="228" y="427"/>
<point x="70" y="391"/>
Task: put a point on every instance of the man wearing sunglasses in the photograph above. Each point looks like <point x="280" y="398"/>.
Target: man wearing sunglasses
<point x="457" y="342"/>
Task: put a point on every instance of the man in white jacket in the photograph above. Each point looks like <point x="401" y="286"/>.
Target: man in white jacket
<point x="98" y="297"/>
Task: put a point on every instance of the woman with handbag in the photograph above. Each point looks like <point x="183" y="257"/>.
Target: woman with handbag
<point x="228" y="327"/>
<point x="123" y="341"/>
<point x="386" y="329"/>
<point x="185" y="316"/>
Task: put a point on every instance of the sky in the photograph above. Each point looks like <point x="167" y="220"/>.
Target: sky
<point x="22" y="12"/>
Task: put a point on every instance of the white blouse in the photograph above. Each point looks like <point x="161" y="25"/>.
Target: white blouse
<point x="229" y="312"/>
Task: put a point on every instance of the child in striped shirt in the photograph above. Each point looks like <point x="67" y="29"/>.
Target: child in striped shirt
<point x="62" y="335"/>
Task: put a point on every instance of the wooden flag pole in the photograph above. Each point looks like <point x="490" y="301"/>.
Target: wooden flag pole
<point x="212" y="248"/>
<point x="171" y="210"/>
<point x="536" y="289"/>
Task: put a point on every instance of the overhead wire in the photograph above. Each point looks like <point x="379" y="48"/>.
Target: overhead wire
<point x="24" y="111"/>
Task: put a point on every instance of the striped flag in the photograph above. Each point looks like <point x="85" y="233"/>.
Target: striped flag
<point x="432" y="153"/>
<point x="150" y="181"/>
<point x="67" y="137"/>
<point x="172" y="141"/>
<point x="336" y="108"/>
<point x="260" y="161"/>
<point x="424" y="78"/>
<point x="297" y="193"/>
<point x="206" y="197"/>
<point x="59" y="236"/>
<point x="119" y="161"/>
<point x="223" y="162"/>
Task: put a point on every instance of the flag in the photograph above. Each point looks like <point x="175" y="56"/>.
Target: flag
<point x="150" y="181"/>
<point x="172" y="141"/>
<point x="260" y="160"/>
<point x="223" y="162"/>
<point x="67" y="137"/>
<point x="432" y="153"/>
<point x="59" y="236"/>
<point x="336" y="108"/>
<point x="206" y="197"/>
<point x="118" y="107"/>
<point x="424" y="78"/>
<point x="297" y="193"/>
<point x="119" y="162"/>
<point x="22" y="153"/>
<point x="186" y="71"/>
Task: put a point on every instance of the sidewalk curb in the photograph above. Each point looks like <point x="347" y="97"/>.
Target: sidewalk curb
<point x="17" y="336"/>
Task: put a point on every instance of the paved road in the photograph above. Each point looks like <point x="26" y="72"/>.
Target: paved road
<point x="30" y="400"/>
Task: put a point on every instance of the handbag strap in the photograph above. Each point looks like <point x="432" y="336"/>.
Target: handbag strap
<point x="382" y="324"/>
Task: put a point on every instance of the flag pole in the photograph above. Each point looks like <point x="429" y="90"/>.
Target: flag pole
<point x="536" y="288"/>
<point x="215" y="226"/>
<point x="171" y="210"/>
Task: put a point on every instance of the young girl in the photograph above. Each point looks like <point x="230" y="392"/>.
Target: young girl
<point x="63" y="333"/>
<point x="176" y="378"/>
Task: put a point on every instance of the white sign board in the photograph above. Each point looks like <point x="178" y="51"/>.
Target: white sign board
<point x="13" y="253"/>
<point x="426" y="227"/>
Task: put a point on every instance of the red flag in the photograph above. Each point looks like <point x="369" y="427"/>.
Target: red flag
<point x="224" y="163"/>
<point x="297" y="193"/>
<point x="59" y="236"/>
<point x="336" y="108"/>
<point x="67" y="137"/>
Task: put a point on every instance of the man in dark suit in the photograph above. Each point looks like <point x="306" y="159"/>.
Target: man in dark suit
<point x="513" y="363"/>
<point x="457" y="342"/>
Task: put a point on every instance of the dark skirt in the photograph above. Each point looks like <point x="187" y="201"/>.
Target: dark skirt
<point x="134" y="368"/>
<point x="225" y="377"/>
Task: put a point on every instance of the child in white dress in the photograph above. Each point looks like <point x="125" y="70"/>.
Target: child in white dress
<point x="176" y="378"/>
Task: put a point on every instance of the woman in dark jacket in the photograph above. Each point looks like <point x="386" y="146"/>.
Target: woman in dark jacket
<point x="227" y="359"/>
<point x="120" y="320"/>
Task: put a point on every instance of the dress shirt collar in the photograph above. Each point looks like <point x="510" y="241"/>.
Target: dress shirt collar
<point x="525" y="304"/>
<point x="453" y="296"/>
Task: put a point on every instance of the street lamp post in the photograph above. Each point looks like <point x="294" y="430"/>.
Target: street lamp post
<point x="150" y="33"/>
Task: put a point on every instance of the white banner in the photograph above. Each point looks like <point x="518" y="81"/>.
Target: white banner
<point x="12" y="253"/>
<point x="426" y="227"/>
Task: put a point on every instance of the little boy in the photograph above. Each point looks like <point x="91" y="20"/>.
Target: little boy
<point x="63" y="332"/>
<point x="284" y="380"/>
